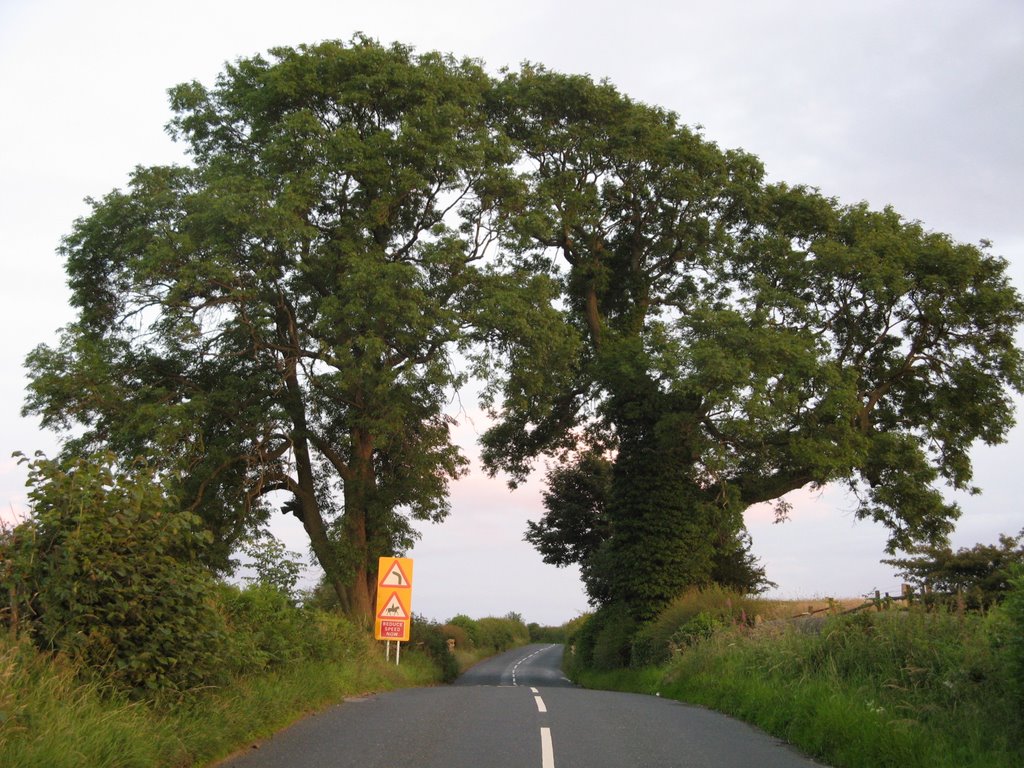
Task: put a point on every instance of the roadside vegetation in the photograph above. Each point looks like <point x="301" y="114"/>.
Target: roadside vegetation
<point x="281" y="662"/>
<point x="286" y="661"/>
<point x="932" y="685"/>
<point x="118" y="648"/>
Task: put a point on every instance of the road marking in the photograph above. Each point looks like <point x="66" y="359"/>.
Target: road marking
<point x="540" y="704"/>
<point x="547" y="752"/>
<point x="515" y="668"/>
<point x="533" y="690"/>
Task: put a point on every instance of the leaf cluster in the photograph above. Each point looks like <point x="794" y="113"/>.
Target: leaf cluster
<point x="107" y="571"/>
<point x="982" y="574"/>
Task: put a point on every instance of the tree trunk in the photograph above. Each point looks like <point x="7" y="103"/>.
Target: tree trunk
<point x="313" y="522"/>
<point x="664" y="522"/>
<point x="359" y="491"/>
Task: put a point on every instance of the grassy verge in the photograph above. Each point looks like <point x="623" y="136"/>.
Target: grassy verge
<point x="914" y="690"/>
<point x="50" y="718"/>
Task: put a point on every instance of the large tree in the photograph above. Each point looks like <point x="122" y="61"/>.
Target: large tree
<point x="737" y="340"/>
<point x="278" y="317"/>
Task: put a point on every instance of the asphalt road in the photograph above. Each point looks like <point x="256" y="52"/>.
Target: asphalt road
<point x="518" y="711"/>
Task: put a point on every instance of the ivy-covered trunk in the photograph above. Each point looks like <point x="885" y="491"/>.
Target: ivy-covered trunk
<point x="663" y="528"/>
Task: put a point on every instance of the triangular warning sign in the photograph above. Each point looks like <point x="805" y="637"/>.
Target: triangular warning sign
<point x="393" y="609"/>
<point x="395" y="576"/>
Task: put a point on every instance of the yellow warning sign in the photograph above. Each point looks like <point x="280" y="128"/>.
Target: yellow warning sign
<point x="393" y="609"/>
<point x="395" y="575"/>
<point x="394" y="599"/>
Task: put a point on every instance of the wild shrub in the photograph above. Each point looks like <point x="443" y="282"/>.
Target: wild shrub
<point x="542" y="634"/>
<point x="273" y="565"/>
<point x="980" y="574"/>
<point x="458" y="634"/>
<point x="1013" y="608"/>
<point x="106" y="571"/>
<point x="695" y="613"/>
<point x="469" y="626"/>
<point x="429" y="636"/>
<point x="700" y="627"/>
<point x="918" y="689"/>
<point x="500" y="634"/>
<point x="603" y="641"/>
<point x="266" y="630"/>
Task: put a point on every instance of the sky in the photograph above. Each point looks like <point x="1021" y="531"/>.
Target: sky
<point x="915" y="104"/>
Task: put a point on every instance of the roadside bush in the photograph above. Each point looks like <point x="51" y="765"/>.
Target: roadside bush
<point x="604" y="639"/>
<point x="539" y="634"/>
<point x="1013" y="608"/>
<point x="458" y="634"/>
<point x="429" y="636"/>
<point x="106" y="571"/>
<point x="267" y="630"/>
<point x="700" y="627"/>
<point x="691" y="616"/>
<point x="469" y="626"/>
<point x="979" y="575"/>
<point x="918" y="688"/>
<point x="499" y="635"/>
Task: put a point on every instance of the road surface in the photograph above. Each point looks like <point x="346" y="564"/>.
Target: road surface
<point x="518" y="711"/>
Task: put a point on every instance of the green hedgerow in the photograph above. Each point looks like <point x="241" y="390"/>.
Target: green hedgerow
<point x="106" y="571"/>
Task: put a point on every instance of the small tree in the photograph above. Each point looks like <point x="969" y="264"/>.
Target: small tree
<point x="982" y="573"/>
<point x="274" y="565"/>
<point x="107" y="571"/>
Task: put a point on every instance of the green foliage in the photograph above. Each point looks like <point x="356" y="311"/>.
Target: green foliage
<point x="915" y="690"/>
<point x="737" y="340"/>
<point x="469" y="626"/>
<point x="51" y="718"/>
<point x="577" y="527"/>
<point x="274" y="565"/>
<point x="981" y="574"/>
<point x="280" y="315"/>
<point x="488" y="635"/>
<point x="547" y="634"/>
<point x="693" y="615"/>
<point x="603" y="639"/>
<point x="459" y="635"/>
<point x="54" y="716"/>
<point x="266" y="630"/>
<point x="107" y="572"/>
<point x="1013" y="607"/>
<point x="431" y="637"/>
<point x="500" y="634"/>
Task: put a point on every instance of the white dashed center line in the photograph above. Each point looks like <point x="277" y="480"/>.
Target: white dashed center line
<point x="515" y="669"/>
<point x="540" y="704"/>
<point x="547" y="753"/>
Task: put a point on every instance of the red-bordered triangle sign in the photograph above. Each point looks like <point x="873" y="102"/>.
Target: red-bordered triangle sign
<point x="395" y="576"/>
<point x="393" y="608"/>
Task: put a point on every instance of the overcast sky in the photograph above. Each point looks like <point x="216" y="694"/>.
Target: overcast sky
<point x="915" y="104"/>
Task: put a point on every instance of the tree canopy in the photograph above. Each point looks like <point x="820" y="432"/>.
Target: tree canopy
<point x="683" y="337"/>
<point x="738" y="340"/>
<point x="280" y="315"/>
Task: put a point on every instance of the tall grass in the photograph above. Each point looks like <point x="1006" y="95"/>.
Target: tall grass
<point x="50" y="717"/>
<point x="56" y="714"/>
<point x="909" y="689"/>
